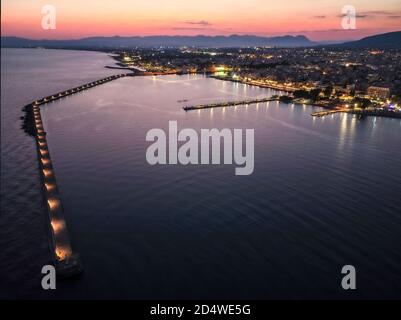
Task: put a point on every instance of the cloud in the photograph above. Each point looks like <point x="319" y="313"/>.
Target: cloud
<point x="319" y="17"/>
<point x="358" y="15"/>
<point x="374" y="13"/>
<point x="189" y="28"/>
<point x="199" y="23"/>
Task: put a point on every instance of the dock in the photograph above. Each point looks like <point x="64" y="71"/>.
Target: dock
<point x="229" y="103"/>
<point x="66" y="261"/>
<point x="327" y="112"/>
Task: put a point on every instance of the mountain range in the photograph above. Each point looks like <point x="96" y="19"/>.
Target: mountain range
<point x="387" y="40"/>
<point x="162" y="41"/>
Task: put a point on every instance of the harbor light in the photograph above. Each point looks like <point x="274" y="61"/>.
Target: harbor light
<point x="58" y="225"/>
<point x="53" y="203"/>
<point x="62" y="252"/>
<point x="47" y="172"/>
<point x="50" y="187"/>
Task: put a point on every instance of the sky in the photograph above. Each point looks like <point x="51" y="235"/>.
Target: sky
<point x="319" y="20"/>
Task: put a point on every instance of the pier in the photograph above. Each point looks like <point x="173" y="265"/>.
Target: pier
<point x="72" y="91"/>
<point x="66" y="261"/>
<point x="327" y="112"/>
<point x="229" y="103"/>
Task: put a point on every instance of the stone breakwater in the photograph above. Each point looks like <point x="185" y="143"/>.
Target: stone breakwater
<point x="66" y="261"/>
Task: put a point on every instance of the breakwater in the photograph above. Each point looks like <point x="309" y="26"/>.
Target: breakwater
<point x="66" y="261"/>
<point x="229" y="103"/>
<point x="71" y="91"/>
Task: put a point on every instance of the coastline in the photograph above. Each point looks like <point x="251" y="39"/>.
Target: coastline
<point x="330" y="109"/>
<point x="254" y="84"/>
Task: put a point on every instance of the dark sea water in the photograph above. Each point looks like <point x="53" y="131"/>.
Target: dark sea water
<point x="326" y="192"/>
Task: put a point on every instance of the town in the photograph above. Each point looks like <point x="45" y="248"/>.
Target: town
<point x="364" y="81"/>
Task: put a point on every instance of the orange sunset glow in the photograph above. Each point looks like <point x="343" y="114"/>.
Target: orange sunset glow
<point x="318" y="20"/>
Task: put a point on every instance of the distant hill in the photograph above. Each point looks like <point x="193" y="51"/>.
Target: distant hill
<point x="161" y="41"/>
<point x="385" y="40"/>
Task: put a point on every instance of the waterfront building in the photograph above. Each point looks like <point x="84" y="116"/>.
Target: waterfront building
<point x="379" y="92"/>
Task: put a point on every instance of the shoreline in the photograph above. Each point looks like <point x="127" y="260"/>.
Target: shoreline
<point x="266" y="86"/>
<point x="330" y="109"/>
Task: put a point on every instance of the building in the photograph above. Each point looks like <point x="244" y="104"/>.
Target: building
<point x="379" y="92"/>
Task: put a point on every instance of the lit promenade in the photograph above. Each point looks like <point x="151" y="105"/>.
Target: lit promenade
<point x="229" y="103"/>
<point x="261" y="84"/>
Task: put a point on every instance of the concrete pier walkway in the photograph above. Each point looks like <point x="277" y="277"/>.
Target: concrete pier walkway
<point x="229" y="103"/>
<point x="327" y="112"/>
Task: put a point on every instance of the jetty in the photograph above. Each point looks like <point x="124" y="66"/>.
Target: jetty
<point x="72" y="91"/>
<point x="229" y="103"/>
<point x="327" y="112"/>
<point x="66" y="261"/>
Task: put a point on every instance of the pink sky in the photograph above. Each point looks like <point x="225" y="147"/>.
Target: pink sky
<point x="317" y="19"/>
